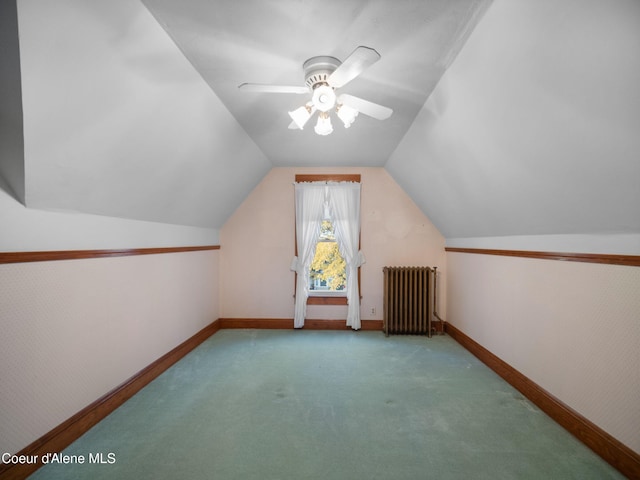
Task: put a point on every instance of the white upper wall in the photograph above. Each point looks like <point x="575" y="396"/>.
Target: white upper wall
<point x="534" y="130"/>
<point x="27" y="229"/>
<point x="118" y="123"/>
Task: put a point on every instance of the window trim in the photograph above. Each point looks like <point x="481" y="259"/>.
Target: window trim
<point x="320" y="177"/>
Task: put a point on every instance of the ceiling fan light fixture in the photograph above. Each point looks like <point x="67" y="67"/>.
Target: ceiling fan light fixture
<point x="323" y="76"/>
<point x="323" y="127"/>
<point x="347" y="114"/>
<point x="324" y="98"/>
<point x="301" y="115"/>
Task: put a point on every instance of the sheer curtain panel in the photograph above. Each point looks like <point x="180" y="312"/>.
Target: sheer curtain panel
<point x="310" y="201"/>
<point x="344" y="208"/>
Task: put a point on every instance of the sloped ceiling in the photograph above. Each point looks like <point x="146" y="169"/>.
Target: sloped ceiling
<point x="231" y="42"/>
<point x="135" y="115"/>
<point x="522" y="120"/>
<point x="535" y="129"/>
<point x="11" y="140"/>
<point x="118" y="123"/>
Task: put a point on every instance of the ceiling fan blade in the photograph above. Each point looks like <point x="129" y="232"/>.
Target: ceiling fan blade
<point x="258" y="87"/>
<point x="364" y="106"/>
<point x="356" y="63"/>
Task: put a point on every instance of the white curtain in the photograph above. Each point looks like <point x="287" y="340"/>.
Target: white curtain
<point x="344" y="209"/>
<point x="310" y="202"/>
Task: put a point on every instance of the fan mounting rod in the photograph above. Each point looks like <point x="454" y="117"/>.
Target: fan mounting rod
<point x="318" y="69"/>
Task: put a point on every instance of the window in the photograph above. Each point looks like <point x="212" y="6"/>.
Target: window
<point x="319" y="296"/>
<point x="328" y="271"/>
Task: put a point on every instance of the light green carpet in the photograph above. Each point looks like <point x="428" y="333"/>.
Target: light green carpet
<point x="284" y="404"/>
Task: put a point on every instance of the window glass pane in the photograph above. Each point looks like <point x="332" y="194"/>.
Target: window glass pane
<point x="328" y="269"/>
<point x="326" y="231"/>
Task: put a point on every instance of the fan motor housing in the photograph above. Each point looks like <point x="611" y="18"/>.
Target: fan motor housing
<point x="318" y="69"/>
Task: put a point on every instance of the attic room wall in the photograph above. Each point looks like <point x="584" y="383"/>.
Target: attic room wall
<point x="73" y="330"/>
<point x="573" y="328"/>
<point x="530" y="142"/>
<point x="257" y="245"/>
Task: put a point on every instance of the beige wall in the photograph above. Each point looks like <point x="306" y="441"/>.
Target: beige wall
<point x="257" y="245"/>
<point x="573" y="328"/>
<point x="73" y="330"/>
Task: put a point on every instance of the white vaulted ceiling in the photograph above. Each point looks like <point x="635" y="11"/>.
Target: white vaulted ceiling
<point x="135" y="112"/>
<point x="118" y="123"/>
<point x="256" y="41"/>
<point x="535" y="130"/>
<point x="511" y="117"/>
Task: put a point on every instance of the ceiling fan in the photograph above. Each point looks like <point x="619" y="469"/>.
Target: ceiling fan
<point x="323" y="76"/>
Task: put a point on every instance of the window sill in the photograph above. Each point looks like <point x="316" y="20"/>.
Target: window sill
<point x="326" y="300"/>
